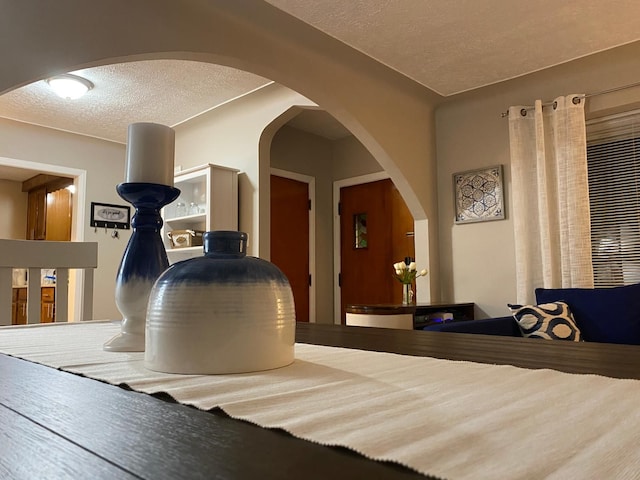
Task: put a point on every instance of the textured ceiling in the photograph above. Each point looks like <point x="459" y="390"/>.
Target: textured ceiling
<point x="161" y="91"/>
<point x="451" y="46"/>
<point x="447" y="46"/>
<point x="320" y="123"/>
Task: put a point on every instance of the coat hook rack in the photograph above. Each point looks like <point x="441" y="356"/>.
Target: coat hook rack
<point x="110" y="216"/>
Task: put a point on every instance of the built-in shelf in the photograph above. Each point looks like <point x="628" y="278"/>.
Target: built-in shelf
<point x="211" y="190"/>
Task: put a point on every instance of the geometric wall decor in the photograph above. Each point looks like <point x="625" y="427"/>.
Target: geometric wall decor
<point x="479" y="195"/>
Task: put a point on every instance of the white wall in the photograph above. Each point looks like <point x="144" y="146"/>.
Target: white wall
<point x="478" y="260"/>
<point x="13" y="221"/>
<point x="351" y="159"/>
<point x="229" y="136"/>
<point x="104" y="164"/>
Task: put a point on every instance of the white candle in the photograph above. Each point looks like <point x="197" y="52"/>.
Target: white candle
<point x="150" y="153"/>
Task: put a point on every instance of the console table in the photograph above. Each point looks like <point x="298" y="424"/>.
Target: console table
<point x="406" y="317"/>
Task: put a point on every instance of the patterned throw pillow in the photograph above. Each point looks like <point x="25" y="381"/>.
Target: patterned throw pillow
<point x="552" y="321"/>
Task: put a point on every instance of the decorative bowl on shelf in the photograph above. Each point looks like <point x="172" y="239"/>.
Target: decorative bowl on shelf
<point x="224" y="312"/>
<point x="185" y="238"/>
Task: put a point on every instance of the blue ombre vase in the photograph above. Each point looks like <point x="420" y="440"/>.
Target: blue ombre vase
<point x="224" y="312"/>
<point x="144" y="259"/>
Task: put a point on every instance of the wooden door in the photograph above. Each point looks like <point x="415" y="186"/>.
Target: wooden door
<point x="14" y="306"/>
<point x="290" y="238"/>
<point x="366" y="268"/>
<point x="21" y="306"/>
<point x="58" y="222"/>
<point x="37" y="214"/>
<point x="47" y="305"/>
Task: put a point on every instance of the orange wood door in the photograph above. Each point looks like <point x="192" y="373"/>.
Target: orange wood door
<point x="290" y="237"/>
<point x="47" y="304"/>
<point x="21" y="306"/>
<point x="366" y="272"/>
<point x="59" y="215"/>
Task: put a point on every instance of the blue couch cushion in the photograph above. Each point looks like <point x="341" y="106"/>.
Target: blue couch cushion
<point x="610" y="315"/>
<point x="551" y="321"/>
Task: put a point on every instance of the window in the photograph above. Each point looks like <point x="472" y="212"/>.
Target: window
<point x="613" y="156"/>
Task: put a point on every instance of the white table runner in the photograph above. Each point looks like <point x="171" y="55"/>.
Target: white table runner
<point x="449" y="419"/>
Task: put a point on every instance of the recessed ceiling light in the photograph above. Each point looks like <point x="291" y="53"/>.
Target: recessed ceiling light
<point x="69" y="86"/>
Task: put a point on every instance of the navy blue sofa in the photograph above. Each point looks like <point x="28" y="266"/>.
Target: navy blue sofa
<point x="505" y="326"/>
<point x="608" y="315"/>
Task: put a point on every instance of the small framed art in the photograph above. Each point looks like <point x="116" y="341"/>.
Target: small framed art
<point x="360" y="230"/>
<point x="479" y="195"/>
<point x="108" y="215"/>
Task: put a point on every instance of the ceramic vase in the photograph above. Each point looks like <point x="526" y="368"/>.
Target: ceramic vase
<point x="225" y="312"/>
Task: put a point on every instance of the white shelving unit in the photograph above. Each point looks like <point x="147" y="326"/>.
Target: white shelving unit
<point x="210" y="196"/>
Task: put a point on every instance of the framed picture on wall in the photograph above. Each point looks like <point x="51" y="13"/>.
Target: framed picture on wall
<point x="479" y="195"/>
<point x="108" y="215"/>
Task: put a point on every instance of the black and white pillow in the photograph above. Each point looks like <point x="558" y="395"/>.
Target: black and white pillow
<point x="552" y="321"/>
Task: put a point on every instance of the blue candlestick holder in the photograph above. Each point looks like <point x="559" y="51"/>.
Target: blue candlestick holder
<point x="144" y="259"/>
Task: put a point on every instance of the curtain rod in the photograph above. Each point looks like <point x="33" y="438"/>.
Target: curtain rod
<point x="577" y="98"/>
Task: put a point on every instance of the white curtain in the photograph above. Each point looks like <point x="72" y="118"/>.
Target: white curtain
<point x="550" y="195"/>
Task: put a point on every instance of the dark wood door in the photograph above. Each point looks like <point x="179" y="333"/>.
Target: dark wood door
<point x="366" y="267"/>
<point x="290" y="238"/>
<point x="14" y="306"/>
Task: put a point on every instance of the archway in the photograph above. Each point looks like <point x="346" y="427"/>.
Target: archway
<point x="388" y="113"/>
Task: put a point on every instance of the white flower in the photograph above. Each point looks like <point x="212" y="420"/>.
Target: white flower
<point x="423" y="272"/>
<point x="407" y="273"/>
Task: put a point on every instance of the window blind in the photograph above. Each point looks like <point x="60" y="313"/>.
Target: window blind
<point x="613" y="157"/>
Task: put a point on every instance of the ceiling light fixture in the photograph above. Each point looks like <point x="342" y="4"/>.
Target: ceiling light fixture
<point x="69" y="86"/>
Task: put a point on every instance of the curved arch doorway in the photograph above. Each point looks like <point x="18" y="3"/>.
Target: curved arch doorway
<point x="389" y="113"/>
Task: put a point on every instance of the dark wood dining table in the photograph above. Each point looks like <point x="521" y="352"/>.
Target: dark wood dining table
<point x="55" y="424"/>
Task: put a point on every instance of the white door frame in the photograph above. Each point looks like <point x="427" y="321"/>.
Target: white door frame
<point x="337" y="185"/>
<point x="311" y="182"/>
<point x="79" y="212"/>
